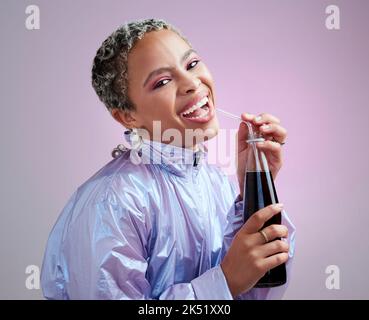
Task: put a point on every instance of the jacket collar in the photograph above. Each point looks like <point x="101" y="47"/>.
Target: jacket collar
<point x="177" y="160"/>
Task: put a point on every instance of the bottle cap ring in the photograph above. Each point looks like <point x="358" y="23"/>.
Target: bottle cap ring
<point x="255" y="140"/>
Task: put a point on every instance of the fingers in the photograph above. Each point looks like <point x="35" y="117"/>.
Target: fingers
<point x="257" y="220"/>
<point x="247" y="116"/>
<point x="274" y="148"/>
<point x="271" y="232"/>
<point x="266" y="118"/>
<point x="243" y="132"/>
<point x="260" y="119"/>
<point x="275" y="231"/>
<point x="269" y="126"/>
<point x="274" y="130"/>
<point x="274" y="260"/>
<point x="274" y="247"/>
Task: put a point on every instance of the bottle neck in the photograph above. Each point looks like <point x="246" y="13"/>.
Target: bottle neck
<point x="256" y="160"/>
<point x="254" y="135"/>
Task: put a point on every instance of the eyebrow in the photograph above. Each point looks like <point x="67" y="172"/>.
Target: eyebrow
<point x="163" y="69"/>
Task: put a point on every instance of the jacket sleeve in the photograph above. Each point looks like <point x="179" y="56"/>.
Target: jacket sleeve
<point x="235" y="221"/>
<point x="121" y="258"/>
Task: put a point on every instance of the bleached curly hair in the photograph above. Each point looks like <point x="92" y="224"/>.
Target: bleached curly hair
<point x="110" y="65"/>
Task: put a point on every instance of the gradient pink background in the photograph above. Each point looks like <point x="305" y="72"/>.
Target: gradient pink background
<point x="265" y="56"/>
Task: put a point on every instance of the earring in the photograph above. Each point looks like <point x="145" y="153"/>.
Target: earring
<point x="136" y="142"/>
<point x="136" y="139"/>
<point x="118" y="151"/>
<point x="120" y="148"/>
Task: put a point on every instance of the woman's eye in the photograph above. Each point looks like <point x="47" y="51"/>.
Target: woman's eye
<point x="192" y="65"/>
<point x="160" y="83"/>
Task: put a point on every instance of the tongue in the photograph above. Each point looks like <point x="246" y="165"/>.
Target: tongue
<point x="195" y="113"/>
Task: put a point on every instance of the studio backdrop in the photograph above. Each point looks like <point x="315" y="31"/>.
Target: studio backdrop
<point x="305" y="62"/>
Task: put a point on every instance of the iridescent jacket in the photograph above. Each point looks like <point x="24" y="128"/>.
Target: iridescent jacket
<point x="154" y="229"/>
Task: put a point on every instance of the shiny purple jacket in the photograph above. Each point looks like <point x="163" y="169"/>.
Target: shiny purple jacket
<point x="157" y="229"/>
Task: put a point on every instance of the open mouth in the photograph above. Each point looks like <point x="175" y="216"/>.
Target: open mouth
<point x="198" y="113"/>
<point x="201" y="112"/>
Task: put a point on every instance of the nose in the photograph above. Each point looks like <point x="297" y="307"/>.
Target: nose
<point x="189" y="83"/>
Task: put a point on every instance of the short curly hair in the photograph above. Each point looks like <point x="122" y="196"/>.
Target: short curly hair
<point x="110" y="65"/>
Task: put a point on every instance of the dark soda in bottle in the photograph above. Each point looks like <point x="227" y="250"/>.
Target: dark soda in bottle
<point x="259" y="192"/>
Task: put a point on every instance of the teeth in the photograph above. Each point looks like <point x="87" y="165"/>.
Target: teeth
<point x="202" y="115"/>
<point x="202" y="102"/>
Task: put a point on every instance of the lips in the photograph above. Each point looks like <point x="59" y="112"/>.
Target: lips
<point x="194" y="101"/>
<point x="200" y="115"/>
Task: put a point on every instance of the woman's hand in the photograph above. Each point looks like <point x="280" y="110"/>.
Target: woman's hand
<point x="271" y="129"/>
<point x="249" y="257"/>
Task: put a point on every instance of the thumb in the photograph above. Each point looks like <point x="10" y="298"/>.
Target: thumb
<point x="243" y="131"/>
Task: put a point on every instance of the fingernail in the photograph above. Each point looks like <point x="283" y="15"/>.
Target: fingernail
<point x="265" y="127"/>
<point x="248" y="115"/>
<point x="258" y="118"/>
<point x="278" y="206"/>
<point x="261" y="143"/>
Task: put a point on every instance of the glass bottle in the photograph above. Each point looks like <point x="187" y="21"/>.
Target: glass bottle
<point x="259" y="192"/>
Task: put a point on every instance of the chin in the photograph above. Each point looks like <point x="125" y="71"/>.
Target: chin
<point x="207" y="132"/>
<point x="213" y="126"/>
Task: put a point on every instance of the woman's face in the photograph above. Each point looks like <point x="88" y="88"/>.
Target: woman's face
<point x="169" y="83"/>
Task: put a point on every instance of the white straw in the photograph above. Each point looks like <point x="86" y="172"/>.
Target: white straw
<point x="231" y="115"/>
<point x="251" y="137"/>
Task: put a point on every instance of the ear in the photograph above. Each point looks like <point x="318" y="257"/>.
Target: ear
<point x="124" y="117"/>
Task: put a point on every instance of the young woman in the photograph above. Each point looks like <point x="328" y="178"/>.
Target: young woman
<point x="158" y="221"/>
